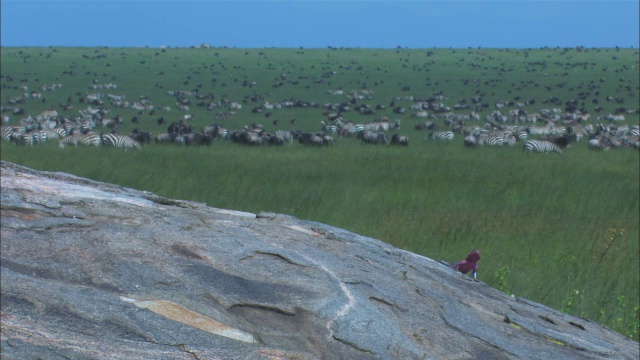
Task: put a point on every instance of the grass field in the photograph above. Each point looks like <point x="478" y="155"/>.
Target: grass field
<point x="547" y="225"/>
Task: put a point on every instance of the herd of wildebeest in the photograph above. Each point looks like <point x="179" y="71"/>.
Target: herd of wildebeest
<point x="93" y="116"/>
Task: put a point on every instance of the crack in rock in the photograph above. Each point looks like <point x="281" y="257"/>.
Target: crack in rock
<point x="263" y="307"/>
<point x="284" y="258"/>
<point x="347" y="342"/>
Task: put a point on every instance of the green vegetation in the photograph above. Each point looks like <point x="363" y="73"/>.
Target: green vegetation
<point x="502" y="276"/>
<point x="547" y="225"/>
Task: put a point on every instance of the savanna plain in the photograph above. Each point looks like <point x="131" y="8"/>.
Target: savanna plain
<point x="561" y="230"/>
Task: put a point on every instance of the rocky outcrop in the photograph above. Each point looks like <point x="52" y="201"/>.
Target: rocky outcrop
<point x="95" y="271"/>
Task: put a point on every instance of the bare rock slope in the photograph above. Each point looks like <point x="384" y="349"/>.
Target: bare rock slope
<point x="95" y="271"/>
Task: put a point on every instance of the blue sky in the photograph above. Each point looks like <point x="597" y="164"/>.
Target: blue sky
<point x="319" y="24"/>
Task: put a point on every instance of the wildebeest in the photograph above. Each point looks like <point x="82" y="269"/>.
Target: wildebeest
<point x="470" y="141"/>
<point x="421" y="113"/>
<point x="399" y="140"/>
<point x="310" y="139"/>
<point x="143" y="137"/>
<point x="275" y="139"/>
<point x="427" y="125"/>
<point x="164" y="138"/>
<point x="370" y="137"/>
<point x="246" y="137"/>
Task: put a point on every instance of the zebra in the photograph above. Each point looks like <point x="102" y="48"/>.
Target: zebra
<point x="31" y="138"/>
<point x="578" y="131"/>
<point x="216" y="131"/>
<point x="557" y="131"/>
<point x="474" y="130"/>
<point x="541" y="146"/>
<point x="491" y="140"/>
<point x="69" y="129"/>
<point x="350" y="129"/>
<point x="620" y="130"/>
<point x="376" y="126"/>
<point x="285" y="135"/>
<point x="120" y="141"/>
<point x="86" y="126"/>
<point x="522" y="135"/>
<point x="331" y="129"/>
<point x="612" y="117"/>
<point x="40" y="136"/>
<point x="633" y="142"/>
<point x="441" y="135"/>
<point x="395" y="125"/>
<point x="540" y="130"/>
<point x="27" y="139"/>
<point x="382" y="125"/>
<point x="80" y="139"/>
<point x="599" y="143"/>
<point x="13" y="133"/>
<point x="53" y="133"/>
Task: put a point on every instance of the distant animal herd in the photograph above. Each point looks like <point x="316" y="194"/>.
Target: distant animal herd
<point x="559" y="131"/>
<point x="508" y="124"/>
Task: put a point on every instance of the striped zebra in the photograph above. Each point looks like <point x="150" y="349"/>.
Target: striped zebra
<point x="376" y="126"/>
<point x="633" y="142"/>
<point x="441" y="135"/>
<point x="329" y="128"/>
<point x="217" y="131"/>
<point x="13" y="133"/>
<point x="474" y="130"/>
<point x="80" y="139"/>
<point x="348" y="129"/>
<point x="491" y="140"/>
<point x="56" y="133"/>
<point x="540" y="130"/>
<point x="120" y="141"/>
<point x="620" y="131"/>
<point x="541" y="146"/>
<point x="557" y="131"/>
<point x="86" y="126"/>
<point x="47" y="115"/>
<point x="578" y="131"/>
<point x="31" y="138"/>
<point x="69" y="128"/>
<point x="382" y="125"/>
<point x="40" y="136"/>
<point x="285" y="135"/>
<point x="522" y="135"/>
<point x="27" y="139"/>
